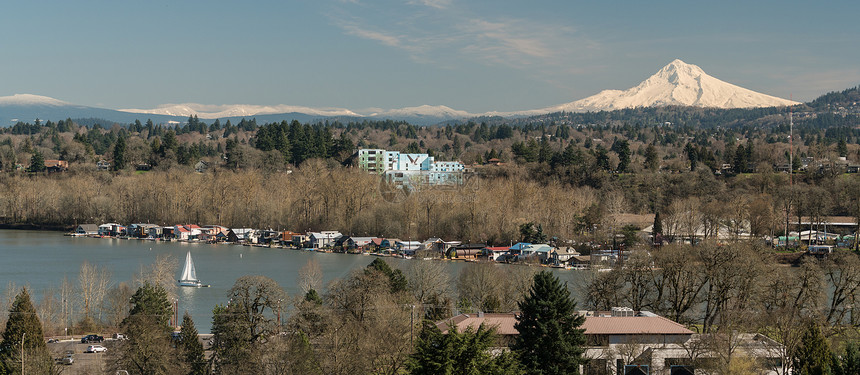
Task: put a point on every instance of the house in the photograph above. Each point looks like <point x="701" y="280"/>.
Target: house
<point x="87" y="230"/>
<point x="517" y="248"/>
<point x="287" y="236"/>
<point x="358" y="243"/>
<point x="540" y="251"/>
<point x="619" y="339"/>
<point x="247" y="235"/>
<point x="56" y="165"/>
<point x="495" y="253"/>
<point x="103" y="165"/>
<point x="407" y="247"/>
<point x="562" y="255"/>
<point x="201" y="166"/>
<point x="140" y="230"/>
<point x="388" y="243"/>
<point x="111" y="229"/>
<point x="324" y="239"/>
<point x="466" y="251"/>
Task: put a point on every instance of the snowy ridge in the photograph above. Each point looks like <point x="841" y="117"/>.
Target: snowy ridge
<point x="205" y="111"/>
<point x="424" y="110"/>
<point x="679" y="84"/>
<point x="29" y="99"/>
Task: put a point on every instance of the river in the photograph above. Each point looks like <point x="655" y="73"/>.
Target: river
<point x="41" y="259"/>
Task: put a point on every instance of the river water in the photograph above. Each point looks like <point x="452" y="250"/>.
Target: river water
<point x="41" y="259"/>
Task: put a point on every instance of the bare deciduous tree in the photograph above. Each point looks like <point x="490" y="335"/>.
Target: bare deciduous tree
<point x="310" y="276"/>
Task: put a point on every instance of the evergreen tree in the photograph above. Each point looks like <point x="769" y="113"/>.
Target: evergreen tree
<point x="458" y="353"/>
<point x="550" y="341"/>
<point x="190" y="348"/>
<point x="849" y="363"/>
<point x="814" y="356"/>
<point x="37" y="163"/>
<point x="396" y="279"/>
<point x="148" y="349"/>
<point x="119" y="154"/>
<point x="657" y="228"/>
<point x="651" y="161"/>
<point x="24" y="324"/>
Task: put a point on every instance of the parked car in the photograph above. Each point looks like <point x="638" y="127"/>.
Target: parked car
<point x="68" y="359"/>
<point x="119" y="336"/>
<point x="92" y="338"/>
<point x="95" y="349"/>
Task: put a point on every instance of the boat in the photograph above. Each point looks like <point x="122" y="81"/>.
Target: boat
<point x="189" y="274"/>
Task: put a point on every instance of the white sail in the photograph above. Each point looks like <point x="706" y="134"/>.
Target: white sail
<point x="189" y="273"/>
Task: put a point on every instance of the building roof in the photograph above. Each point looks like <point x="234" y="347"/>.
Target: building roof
<point x="89" y="227"/>
<point x="594" y="325"/>
<point x="497" y="248"/>
<point x="632" y="325"/>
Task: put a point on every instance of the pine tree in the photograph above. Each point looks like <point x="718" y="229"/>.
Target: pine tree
<point x="657" y="228"/>
<point x="814" y="356"/>
<point x="37" y="162"/>
<point x="148" y="349"/>
<point x="190" y="348"/>
<point x="119" y="154"/>
<point x="550" y="341"/>
<point x="24" y="324"/>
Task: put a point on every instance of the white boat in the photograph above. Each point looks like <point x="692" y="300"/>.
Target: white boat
<point x="189" y="274"/>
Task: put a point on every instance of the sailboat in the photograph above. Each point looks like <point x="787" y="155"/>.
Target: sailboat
<point x="189" y="274"/>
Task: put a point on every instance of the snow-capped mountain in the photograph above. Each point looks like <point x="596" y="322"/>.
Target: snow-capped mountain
<point x="205" y="111"/>
<point x="30" y="100"/>
<point x="679" y="84"/>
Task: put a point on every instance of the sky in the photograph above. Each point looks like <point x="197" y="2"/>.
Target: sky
<point x="476" y="56"/>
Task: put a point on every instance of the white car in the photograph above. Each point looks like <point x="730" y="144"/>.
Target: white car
<point x="95" y="349"/>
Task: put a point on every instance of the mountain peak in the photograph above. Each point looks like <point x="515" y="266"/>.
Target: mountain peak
<point x="677" y="83"/>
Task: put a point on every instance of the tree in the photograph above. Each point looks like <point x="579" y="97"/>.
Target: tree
<point x="814" y="356"/>
<point x="246" y="323"/>
<point x="651" y="161"/>
<point x="458" y="353"/>
<point x="190" y="348"/>
<point x="396" y="279"/>
<point x="37" y="163"/>
<point x="550" y="340"/>
<point x="147" y="350"/>
<point x="119" y="154"/>
<point x="24" y="324"/>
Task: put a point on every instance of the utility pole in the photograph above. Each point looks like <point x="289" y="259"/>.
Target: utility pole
<point x="22" y="352"/>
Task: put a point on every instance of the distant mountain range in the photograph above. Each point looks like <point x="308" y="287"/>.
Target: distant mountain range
<point x="676" y="84"/>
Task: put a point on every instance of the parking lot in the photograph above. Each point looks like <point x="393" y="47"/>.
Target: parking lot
<point x="85" y="363"/>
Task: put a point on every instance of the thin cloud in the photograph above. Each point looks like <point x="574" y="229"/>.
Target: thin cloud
<point x="386" y="39"/>
<point x="438" y="4"/>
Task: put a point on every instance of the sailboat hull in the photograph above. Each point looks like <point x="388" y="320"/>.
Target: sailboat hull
<point x="192" y="283"/>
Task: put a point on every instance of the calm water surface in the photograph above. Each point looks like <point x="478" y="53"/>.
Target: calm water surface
<point x="41" y="259"/>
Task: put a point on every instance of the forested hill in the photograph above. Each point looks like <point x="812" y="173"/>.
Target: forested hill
<point x="847" y="98"/>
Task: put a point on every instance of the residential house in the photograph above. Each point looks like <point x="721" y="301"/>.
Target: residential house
<point x="287" y="236"/>
<point x="562" y="255"/>
<point x="87" y="230"/>
<point x="201" y="166"/>
<point x="361" y="244"/>
<point x="495" y="253"/>
<point x="140" y="230"/>
<point x="108" y="229"/>
<point x="56" y="165"/>
<point x="246" y="235"/>
<point x="515" y="249"/>
<point x="407" y="247"/>
<point x="324" y="239"/>
<point x="541" y="252"/>
<point x="103" y="165"/>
